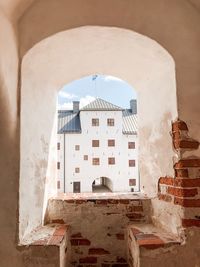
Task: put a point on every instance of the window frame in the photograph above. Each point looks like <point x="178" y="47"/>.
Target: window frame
<point x="95" y="161"/>
<point x="95" y="143"/>
<point x="95" y="122"/>
<point x="131" y="145"/>
<point x="110" y="122"/>
<point x="110" y="141"/>
<point x="111" y="161"/>
<point x="130" y="163"/>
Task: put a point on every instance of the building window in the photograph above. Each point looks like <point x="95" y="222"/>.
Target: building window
<point x="58" y="184"/>
<point x="95" y="161"/>
<point x="77" y="170"/>
<point x="131" y="163"/>
<point x="131" y="145"/>
<point x="85" y="157"/>
<point x="58" y="165"/>
<point x="111" y="161"/>
<point x="58" y="146"/>
<point x="95" y="143"/>
<point x="132" y="182"/>
<point x="111" y="142"/>
<point x="77" y="147"/>
<point x="110" y="122"/>
<point x="95" y="122"/>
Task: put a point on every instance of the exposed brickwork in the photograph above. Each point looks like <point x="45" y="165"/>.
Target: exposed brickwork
<point x="184" y="188"/>
<point x="179" y="126"/>
<point x="189" y="203"/>
<point x="190" y="222"/>
<point x="182" y="192"/>
<point x="98" y="251"/>
<point x="107" y="219"/>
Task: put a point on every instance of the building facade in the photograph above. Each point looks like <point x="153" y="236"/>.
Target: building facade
<point x="98" y="145"/>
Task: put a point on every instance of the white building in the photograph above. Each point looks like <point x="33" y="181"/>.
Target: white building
<point x="98" y="145"/>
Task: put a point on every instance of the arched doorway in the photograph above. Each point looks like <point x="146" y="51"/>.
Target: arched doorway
<point x="102" y="185"/>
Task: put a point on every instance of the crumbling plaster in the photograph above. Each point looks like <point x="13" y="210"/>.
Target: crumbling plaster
<point x="174" y="24"/>
<point x="72" y="54"/>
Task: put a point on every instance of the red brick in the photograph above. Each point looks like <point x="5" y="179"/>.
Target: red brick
<point x="186" y="144"/>
<point x="60" y="230"/>
<point x="164" y="197"/>
<point x="136" y="231"/>
<point x="187" y="163"/>
<point x="77" y="235"/>
<point x="190" y="222"/>
<point x="133" y="208"/>
<point x="101" y="201"/>
<point x="124" y="201"/>
<point x="113" y="201"/>
<point x="80" y="242"/>
<point x="88" y="260"/>
<point x="180" y="192"/>
<point x="120" y="265"/>
<point x="134" y="216"/>
<point x="60" y="221"/>
<point x="187" y="182"/>
<point x="149" y="241"/>
<point x="122" y="260"/>
<point x="98" y="251"/>
<point x="181" y="173"/>
<point x="70" y="201"/>
<point x="55" y="240"/>
<point x="80" y="201"/>
<point x="176" y="135"/>
<point x="195" y="203"/>
<point x="166" y="180"/>
<point x="120" y="236"/>
<point x="179" y="125"/>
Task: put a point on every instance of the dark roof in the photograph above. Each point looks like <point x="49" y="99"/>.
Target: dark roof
<point x="129" y="122"/>
<point x="100" y="104"/>
<point x="68" y="122"/>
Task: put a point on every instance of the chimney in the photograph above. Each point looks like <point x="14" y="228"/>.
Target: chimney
<point x="75" y="106"/>
<point x="133" y="106"/>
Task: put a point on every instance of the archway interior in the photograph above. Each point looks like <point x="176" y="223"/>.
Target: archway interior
<point x="64" y="57"/>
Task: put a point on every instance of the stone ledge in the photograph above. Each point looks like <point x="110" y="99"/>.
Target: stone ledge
<point x="48" y="235"/>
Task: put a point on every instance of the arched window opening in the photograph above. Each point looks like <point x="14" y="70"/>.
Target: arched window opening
<point x="97" y="136"/>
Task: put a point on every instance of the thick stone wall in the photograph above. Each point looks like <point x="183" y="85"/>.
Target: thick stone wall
<point x="183" y="189"/>
<point x="98" y="227"/>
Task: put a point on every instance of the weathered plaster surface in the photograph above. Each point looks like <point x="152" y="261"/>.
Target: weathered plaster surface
<point x="76" y="53"/>
<point x="173" y="24"/>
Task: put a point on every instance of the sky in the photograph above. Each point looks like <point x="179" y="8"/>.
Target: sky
<point x="85" y="90"/>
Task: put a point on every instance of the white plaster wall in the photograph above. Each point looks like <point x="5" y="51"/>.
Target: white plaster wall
<point x="69" y="55"/>
<point x="119" y="174"/>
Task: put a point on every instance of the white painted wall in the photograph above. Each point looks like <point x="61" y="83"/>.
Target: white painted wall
<point x="119" y="174"/>
<point x="70" y="55"/>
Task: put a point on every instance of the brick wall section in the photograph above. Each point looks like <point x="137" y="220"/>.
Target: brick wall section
<point x="98" y="227"/>
<point x="184" y="188"/>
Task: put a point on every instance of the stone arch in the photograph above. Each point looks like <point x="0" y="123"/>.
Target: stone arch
<point x="72" y="54"/>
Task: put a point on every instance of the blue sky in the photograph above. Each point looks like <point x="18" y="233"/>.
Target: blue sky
<point x="85" y="90"/>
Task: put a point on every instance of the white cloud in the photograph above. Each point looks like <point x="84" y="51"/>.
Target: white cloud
<point x="67" y="95"/>
<point x="83" y="102"/>
<point x="109" y="78"/>
<point x="86" y="100"/>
